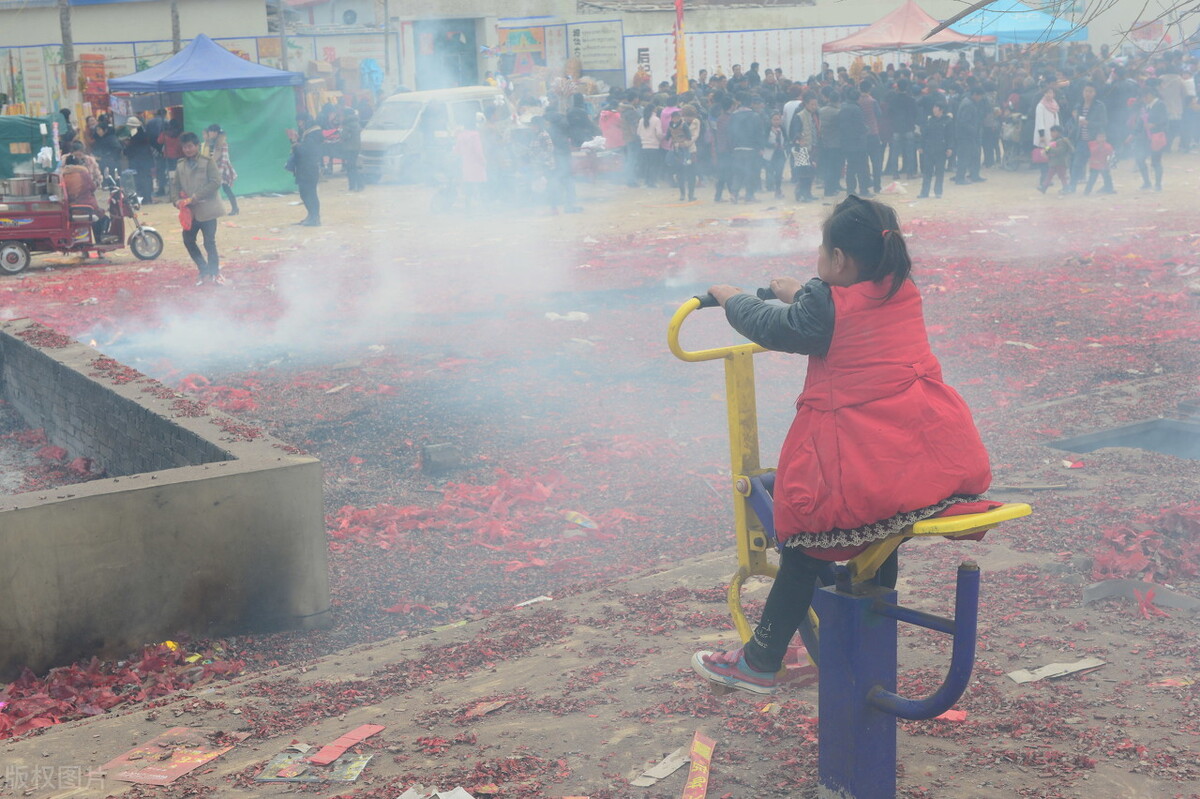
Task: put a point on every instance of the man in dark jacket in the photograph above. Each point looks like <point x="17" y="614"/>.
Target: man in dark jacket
<point x="968" y="134"/>
<point x="747" y="136"/>
<point x="900" y="108"/>
<point x="935" y="147"/>
<point x="1090" y="118"/>
<point x="853" y="132"/>
<point x="307" y="152"/>
<point x="830" y="157"/>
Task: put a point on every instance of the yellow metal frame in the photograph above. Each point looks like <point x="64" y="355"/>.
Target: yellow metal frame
<point x="752" y="545"/>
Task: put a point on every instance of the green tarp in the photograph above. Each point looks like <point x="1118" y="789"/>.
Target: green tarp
<point x="20" y="140"/>
<point x="256" y="123"/>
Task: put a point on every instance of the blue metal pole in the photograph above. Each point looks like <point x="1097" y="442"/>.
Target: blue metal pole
<point x="962" y="656"/>
<point x="857" y="749"/>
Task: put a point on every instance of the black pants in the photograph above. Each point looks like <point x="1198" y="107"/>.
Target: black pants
<point x="685" y="177"/>
<point x="212" y="266"/>
<point x="308" y="195"/>
<point x="830" y="161"/>
<point x="163" y="167"/>
<point x="875" y="154"/>
<point x="724" y="175"/>
<point x="858" y="173"/>
<point x="350" y="162"/>
<point x="968" y="153"/>
<point x="143" y="178"/>
<point x="788" y="603"/>
<point x="1155" y="164"/>
<point x="229" y="195"/>
<point x="1095" y="173"/>
<point x="747" y="163"/>
<point x="933" y="170"/>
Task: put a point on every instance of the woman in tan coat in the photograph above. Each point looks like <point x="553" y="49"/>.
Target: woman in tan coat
<point x="195" y="185"/>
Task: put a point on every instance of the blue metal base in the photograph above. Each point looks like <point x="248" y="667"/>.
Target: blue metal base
<point x="857" y="756"/>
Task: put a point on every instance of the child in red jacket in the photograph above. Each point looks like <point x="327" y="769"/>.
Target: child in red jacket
<point x="878" y="442"/>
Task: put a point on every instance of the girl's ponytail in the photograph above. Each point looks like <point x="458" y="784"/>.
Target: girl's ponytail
<point x="869" y="232"/>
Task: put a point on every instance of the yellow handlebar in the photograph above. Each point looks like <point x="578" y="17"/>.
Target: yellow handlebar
<point x="700" y="355"/>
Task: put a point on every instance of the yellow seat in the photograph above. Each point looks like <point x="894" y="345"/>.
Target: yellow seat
<point x="865" y="565"/>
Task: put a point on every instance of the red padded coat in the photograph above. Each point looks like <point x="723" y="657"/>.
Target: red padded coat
<point x="877" y="433"/>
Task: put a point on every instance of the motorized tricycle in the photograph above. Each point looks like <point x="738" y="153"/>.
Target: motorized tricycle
<point x="36" y="216"/>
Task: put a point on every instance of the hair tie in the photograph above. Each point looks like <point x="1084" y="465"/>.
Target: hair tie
<point x="885" y="232"/>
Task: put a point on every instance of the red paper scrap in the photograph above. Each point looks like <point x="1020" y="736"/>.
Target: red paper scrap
<point x="162" y="760"/>
<point x="333" y="751"/>
<point x="953" y="715"/>
<point x="697" y="780"/>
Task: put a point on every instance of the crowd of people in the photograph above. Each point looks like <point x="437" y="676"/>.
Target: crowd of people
<point x="1070" y="115"/>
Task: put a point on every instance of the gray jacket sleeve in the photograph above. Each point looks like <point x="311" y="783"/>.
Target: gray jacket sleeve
<point x="804" y="327"/>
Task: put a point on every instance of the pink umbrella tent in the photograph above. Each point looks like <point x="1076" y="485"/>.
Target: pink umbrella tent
<point x="903" y="30"/>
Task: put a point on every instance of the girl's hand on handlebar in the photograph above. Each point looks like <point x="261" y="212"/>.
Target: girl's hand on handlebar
<point x="723" y="292"/>
<point x="785" y="288"/>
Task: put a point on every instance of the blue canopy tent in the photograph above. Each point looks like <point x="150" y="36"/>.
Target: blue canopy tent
<point x="1012" y="22"/>
<point x="255" y="105"/>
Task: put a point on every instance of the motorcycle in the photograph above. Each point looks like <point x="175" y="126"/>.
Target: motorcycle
<point x="36" y="216"/>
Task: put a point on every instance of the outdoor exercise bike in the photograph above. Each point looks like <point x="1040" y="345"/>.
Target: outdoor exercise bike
<point x="854" y="644"/>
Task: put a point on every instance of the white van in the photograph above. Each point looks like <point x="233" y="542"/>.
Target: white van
<point x="410" y="132"/>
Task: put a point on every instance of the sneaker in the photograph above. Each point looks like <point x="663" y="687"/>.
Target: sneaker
<point x="220" y="280"/>
<point x="1042" y="189"/>
<point x="200" y="281"/>
<point x="730" y="669"/>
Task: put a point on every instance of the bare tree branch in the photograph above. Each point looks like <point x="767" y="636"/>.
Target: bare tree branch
<point x="969" y="9"/>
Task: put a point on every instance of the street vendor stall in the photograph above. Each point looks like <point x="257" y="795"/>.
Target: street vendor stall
<point x="256" y="105"/>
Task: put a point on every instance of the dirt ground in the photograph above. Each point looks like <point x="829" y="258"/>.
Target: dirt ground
<point x="1055" y="316"/>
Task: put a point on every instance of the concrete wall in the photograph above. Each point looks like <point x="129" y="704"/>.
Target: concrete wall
<point x="213" y="548"/>
<point x="88" y="418"/>
<point x="38" y="23"/>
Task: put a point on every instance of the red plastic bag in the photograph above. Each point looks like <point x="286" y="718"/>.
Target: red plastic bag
<point x="185" y="217"/>
<point x="1158" y="141"/>
<point x="1039" y="156"/>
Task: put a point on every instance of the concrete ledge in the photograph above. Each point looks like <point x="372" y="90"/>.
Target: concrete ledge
<point x="204" y="525"/>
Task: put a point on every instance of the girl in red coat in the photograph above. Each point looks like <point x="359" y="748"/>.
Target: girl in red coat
<point x="878" y="442"/>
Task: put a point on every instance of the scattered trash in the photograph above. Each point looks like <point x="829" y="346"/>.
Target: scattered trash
<point x="533" y="601"/>
<point x="663" y="768"/>
<point x="570" y="316"/>
<point x="167" y="757"/>
<point x="1072" y="464"/>
<point x="292" y="767"/>
<point x="88" y="301"/>
<point x="333" y="751"/>
<point x="440" y="457"/>
<point x="590" y="240"/>
<point x="1173" y="682"/>
<point x="1128" y="589"/>
<point x="1052" y="671"/>
<point x="576" y="517"/>
<point x="895" y="187"/>
<point x="483" y="708"/>
<point x="701" y="755"/>
<point x="337" y="389"/>
<point x="421" y="792"/>
<point x="1022" y="344"/>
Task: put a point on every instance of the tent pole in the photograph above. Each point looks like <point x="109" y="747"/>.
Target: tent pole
<point x="283" y="53"/>
<point x="387" y="44"/>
